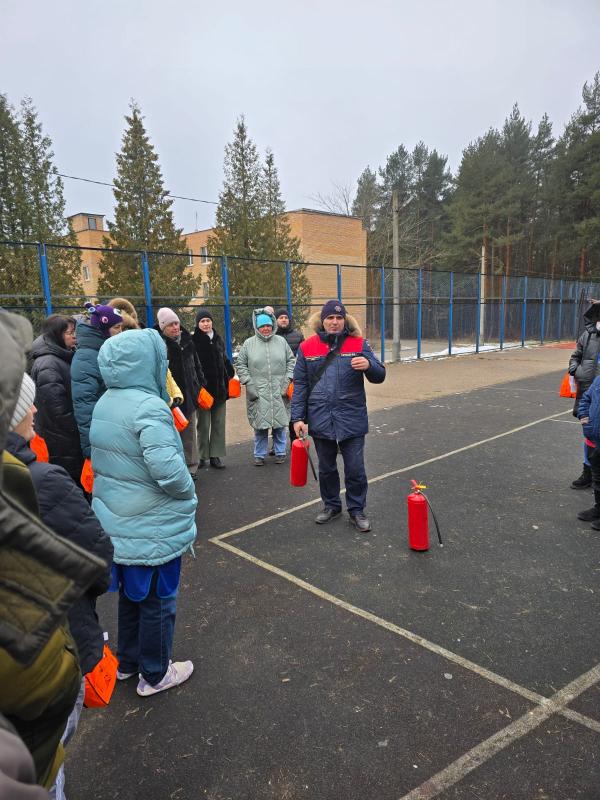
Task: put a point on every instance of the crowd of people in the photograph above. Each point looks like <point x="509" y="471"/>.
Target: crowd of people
<point x="109" y="501"/>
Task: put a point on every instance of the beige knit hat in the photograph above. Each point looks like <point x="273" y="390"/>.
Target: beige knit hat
<point x="24" y="403"/>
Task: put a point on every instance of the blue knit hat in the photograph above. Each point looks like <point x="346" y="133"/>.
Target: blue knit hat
<point x="333" y="307"/>
<point x="263" y="319"/>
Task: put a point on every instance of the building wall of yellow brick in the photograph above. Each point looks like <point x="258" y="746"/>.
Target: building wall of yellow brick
<point x="325" y="240"/>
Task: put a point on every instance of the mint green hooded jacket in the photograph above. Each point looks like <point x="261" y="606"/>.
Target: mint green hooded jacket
<point x="265" y="366"/>
<point x="144" y="495"/>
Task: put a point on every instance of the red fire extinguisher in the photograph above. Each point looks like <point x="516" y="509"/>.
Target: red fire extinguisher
<point x="418" y="518"/>
<point x="299" y="461"/>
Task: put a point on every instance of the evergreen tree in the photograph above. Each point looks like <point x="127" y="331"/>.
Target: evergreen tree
<point x="251" y="228"/>
<point x="143" y="221"/>
<point x="32" y="209"/>
<point x="367" y="199"/>
<point x="576" y="186"/>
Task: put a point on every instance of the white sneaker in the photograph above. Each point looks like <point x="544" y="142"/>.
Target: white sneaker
<point x="123" y="676"/>
<point x="178" y="672"/>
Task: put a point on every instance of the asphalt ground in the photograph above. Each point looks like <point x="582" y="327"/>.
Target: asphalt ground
<point x="337" y="665"/>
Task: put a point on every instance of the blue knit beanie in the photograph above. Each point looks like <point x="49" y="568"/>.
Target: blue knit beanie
<point x="263" y="319"/>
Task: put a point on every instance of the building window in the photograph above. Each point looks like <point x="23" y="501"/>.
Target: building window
<point x="190" y="258"/>
<point x="92" y="224"/>
<point x="86" y="273"/>
<point x="204" y="255"/>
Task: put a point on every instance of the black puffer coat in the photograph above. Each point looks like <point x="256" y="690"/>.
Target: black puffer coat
<point x="55" y="420"/>
<point x="64" y="509"/>
<point x="185" y="368"/>
<point x="583" y="363"/>
<point x="216" y="366"/>
<point x="293" y="337"/>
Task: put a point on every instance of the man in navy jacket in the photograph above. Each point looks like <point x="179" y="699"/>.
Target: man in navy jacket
<point x="329" y="401"/>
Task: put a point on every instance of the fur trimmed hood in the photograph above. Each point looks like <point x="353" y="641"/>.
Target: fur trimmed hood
<point x="124" y="305"/>
<point x="315" y="324"/>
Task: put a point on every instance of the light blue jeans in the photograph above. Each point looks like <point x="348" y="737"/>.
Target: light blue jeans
<point x="261" y="442"/>
<point x="57" y="790"/>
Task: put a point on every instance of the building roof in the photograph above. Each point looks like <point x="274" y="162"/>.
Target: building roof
<point x="86" y="214"/>
<point x="291" y="211"/>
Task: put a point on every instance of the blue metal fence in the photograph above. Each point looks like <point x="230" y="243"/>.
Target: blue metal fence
<point x="440" y="313"/>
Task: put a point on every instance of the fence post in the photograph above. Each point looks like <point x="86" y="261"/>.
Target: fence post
<point x="450" y="313"/>
<point x="419" y="311"/>
<point x="575" y="307"/>
<point x="288" y="287"/>
<point x="560" y="300"/>
<point x="524" y="312"/>
<point x="502" y="312"/>
<point x="478" y="313"/>
<point x="339" y="281"/>
<point x="147" y="290"/>
<point x="226" y="308"/>
<point x="45" y="277"/>
<point x="543" y="314"/>
<point x="382" y="313"/>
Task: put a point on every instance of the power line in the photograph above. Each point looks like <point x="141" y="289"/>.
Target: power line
<point x="103" y="183"/>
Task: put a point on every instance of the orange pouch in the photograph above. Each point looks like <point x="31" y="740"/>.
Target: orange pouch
<point x="568" y="387"/>
<point x="38" y="445"/>
<point x="205" y="399"/>
<point x="234" y="388"/>
<point x="290" y="390"/>
<point x="179" y="418"/>
<point x="100" y="682"/>
<point x="87" y="476"/>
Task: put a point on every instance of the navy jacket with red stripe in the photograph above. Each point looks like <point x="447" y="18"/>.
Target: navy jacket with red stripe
<point x="336" y="408"/>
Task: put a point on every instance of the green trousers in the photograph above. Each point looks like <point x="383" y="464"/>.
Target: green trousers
<point x="211" y="432"/>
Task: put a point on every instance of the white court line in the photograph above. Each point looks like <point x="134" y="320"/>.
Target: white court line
<point x="485" y="750"/>
<point x="415" y="638"/>
<point x="545" y="707"/>
<point x="385" y="475"/>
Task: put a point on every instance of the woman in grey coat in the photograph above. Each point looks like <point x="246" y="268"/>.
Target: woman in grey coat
<point x="265" y="367"/>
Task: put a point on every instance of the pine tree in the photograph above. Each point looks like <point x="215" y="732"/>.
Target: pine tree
<point x="367" y="199"/>
<point x="144" y="221"/>
<point x="251" y="229"/>
<point x="32" y="209"/>
<point x="576" y="186"/>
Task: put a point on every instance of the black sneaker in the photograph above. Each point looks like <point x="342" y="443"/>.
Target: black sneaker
<point x="280" y="459"/>
<point x="216" y="462"/>
<point x="259" y="462"/>
<point x="327" y="514"/>
<point x="584" y="480"/>
<point x="595" y="525"/>
<point x="361" y="523"/>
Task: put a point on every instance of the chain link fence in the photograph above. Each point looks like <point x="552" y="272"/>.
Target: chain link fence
<point x="406" y="313"/>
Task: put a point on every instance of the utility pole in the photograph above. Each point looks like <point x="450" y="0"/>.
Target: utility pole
<point x="396" y="277"/>
<point x="482" y="284"/>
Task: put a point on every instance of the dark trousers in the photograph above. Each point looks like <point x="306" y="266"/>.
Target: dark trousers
<point x="355" y="477"/>
<point x="594" y="459"/>
<point x="145" y="640"/>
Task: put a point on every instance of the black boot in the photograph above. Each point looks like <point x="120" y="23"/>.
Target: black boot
<point x="584" y="480"/>
<point x="593" y="513"/>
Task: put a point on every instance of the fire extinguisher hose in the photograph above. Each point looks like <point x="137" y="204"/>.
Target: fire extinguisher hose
<point x="304" y="441"/>
<point x="437" y="527"/>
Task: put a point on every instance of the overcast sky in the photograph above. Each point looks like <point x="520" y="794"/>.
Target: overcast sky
<point x="330" y="85"/>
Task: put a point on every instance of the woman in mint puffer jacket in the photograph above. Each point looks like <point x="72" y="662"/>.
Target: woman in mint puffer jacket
<point x="145" y="500"/>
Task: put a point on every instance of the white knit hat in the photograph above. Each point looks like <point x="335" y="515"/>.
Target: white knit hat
<point x="24" y="403"/>
<point x="165" y="317"/>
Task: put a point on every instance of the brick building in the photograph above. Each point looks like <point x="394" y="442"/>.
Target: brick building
<point x="326" y="239"/>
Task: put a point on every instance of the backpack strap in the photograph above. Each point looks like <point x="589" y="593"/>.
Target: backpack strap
<point x="325" y="363"/>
